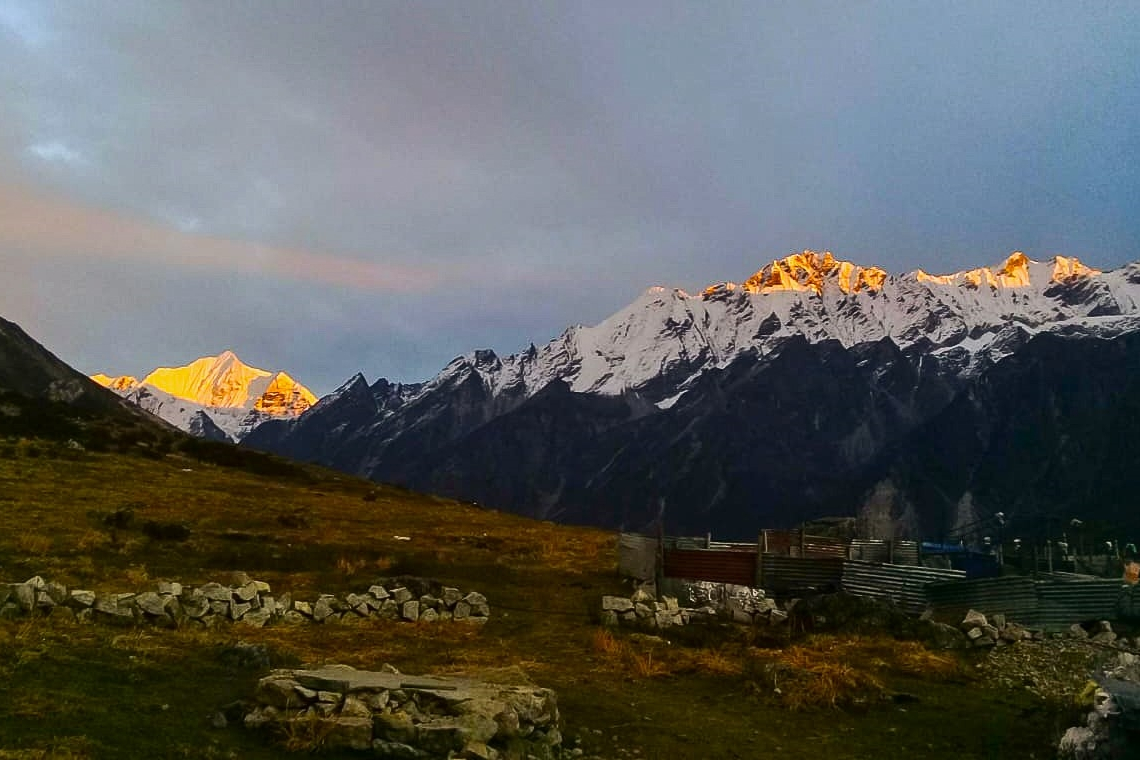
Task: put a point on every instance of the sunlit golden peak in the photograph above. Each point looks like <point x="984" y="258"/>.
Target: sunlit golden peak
<point x="811" y="270"/>
<point x="1013" y="273"/>
<point x="120" y="383"/>
<point x="1066" y="267"/>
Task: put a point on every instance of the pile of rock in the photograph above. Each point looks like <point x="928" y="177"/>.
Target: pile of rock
<point x="995" y="631"/>
<point x="398" y="716"/>
<point x="244" y="600"/>
<point x="643" y="609"/>
<point x="1112" y="725"/>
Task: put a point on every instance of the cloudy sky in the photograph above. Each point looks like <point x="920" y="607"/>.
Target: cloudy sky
<point x="335" y="186"/>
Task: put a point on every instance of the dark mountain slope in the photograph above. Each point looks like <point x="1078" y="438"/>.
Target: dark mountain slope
<point x="1049" y="434"/>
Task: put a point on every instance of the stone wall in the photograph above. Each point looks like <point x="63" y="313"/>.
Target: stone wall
<point x="244" y="600"/>
<point x="388" y="714"/>
<point x="643" y="609"/>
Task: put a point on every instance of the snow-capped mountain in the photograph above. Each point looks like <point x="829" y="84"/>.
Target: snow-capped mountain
<point x="216" y="397"/>
<point x="804" y="376"/>
<point x="814" y="295"/>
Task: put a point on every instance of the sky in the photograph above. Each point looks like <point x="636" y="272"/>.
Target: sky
<point x="333" y="186"/>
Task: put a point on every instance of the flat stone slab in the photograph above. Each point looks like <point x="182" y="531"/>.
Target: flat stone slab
<point x="438" y="715"/>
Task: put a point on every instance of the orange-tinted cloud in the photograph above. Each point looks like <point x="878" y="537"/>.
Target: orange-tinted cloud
<point x="39" y="226"/>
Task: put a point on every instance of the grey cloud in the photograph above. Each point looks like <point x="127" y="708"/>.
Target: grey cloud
<point x="549" y="161"/>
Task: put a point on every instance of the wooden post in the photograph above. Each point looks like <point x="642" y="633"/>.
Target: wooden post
<point x="890" y="551"/>
<point x="802" y="542"/>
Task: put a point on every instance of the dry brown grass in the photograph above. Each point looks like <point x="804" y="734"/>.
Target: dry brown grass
<point x="93" y="540"/>
<point x="305" y="734"/>
<point x="33" y="544"/>
<point x="542" y="582"/>
<point x="605" y="643"/>
<point x="137" y="576"/>
<point x="350" y="567"/>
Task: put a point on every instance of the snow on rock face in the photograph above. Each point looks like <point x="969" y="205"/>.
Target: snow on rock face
<point x="234" y="395"/>
<point x="671" y="333"/>
<point x="122" y="384"/>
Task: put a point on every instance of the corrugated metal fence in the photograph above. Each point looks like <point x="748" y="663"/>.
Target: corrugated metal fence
<point x="780" y="574"/>
<point x="895" y="552"/>
<point x="717" y="565"/>
<point x="1050" y="604"/>
<point x="905" y="585"/>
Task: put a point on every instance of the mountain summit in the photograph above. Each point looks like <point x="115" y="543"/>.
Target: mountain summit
<point x="233" y="396"/>
<point x="827" y="367"/>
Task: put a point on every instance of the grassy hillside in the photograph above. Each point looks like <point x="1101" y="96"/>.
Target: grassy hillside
<point x="72" y="691"/>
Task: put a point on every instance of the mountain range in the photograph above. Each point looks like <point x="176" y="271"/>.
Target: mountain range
<point x="214" y="397"/>
<point x="920" y="404"/>
<point x="814" y="387"/>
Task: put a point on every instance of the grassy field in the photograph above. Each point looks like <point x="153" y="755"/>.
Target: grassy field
<point x="75" y="691"/>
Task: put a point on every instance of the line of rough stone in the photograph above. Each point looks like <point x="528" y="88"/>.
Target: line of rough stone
<point x="244" y="601"/>
<point x="644" y="610"/>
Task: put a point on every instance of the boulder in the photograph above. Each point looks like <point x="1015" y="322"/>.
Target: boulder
<point x="278" y="690"/>
<point x="349" y="733"/>
<point x="256" y="618"/>
<point x="151" y="603"/>
<point x="973" y="619"/>
<point x="195" y="605"/>
<point x="410" y="611"/>
<point x="395" y="727"/>
<point x="641" y="595"/>
<point x="25" y="595"/>
<point x="245" y="592"/>
<point x="82" y="598"/>
<point x="322" y="610"/>
<point x="615" y="603"/>
<point x="169" y="588"/>
<point x="215" y="592"/>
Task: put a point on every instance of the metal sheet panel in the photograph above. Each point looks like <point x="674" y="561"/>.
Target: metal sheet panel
<point x="1014" y="596"/>
<point x="637" y="556"/>
<point x="824" y="546"/>
<point x="737" y="567"/>
<point x="877" y="550"/>
<point x="780" y="574"/>
<point x="1052" y="604"/>
<point x="1063" y="603"/>
<point x="903" y="584"/>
